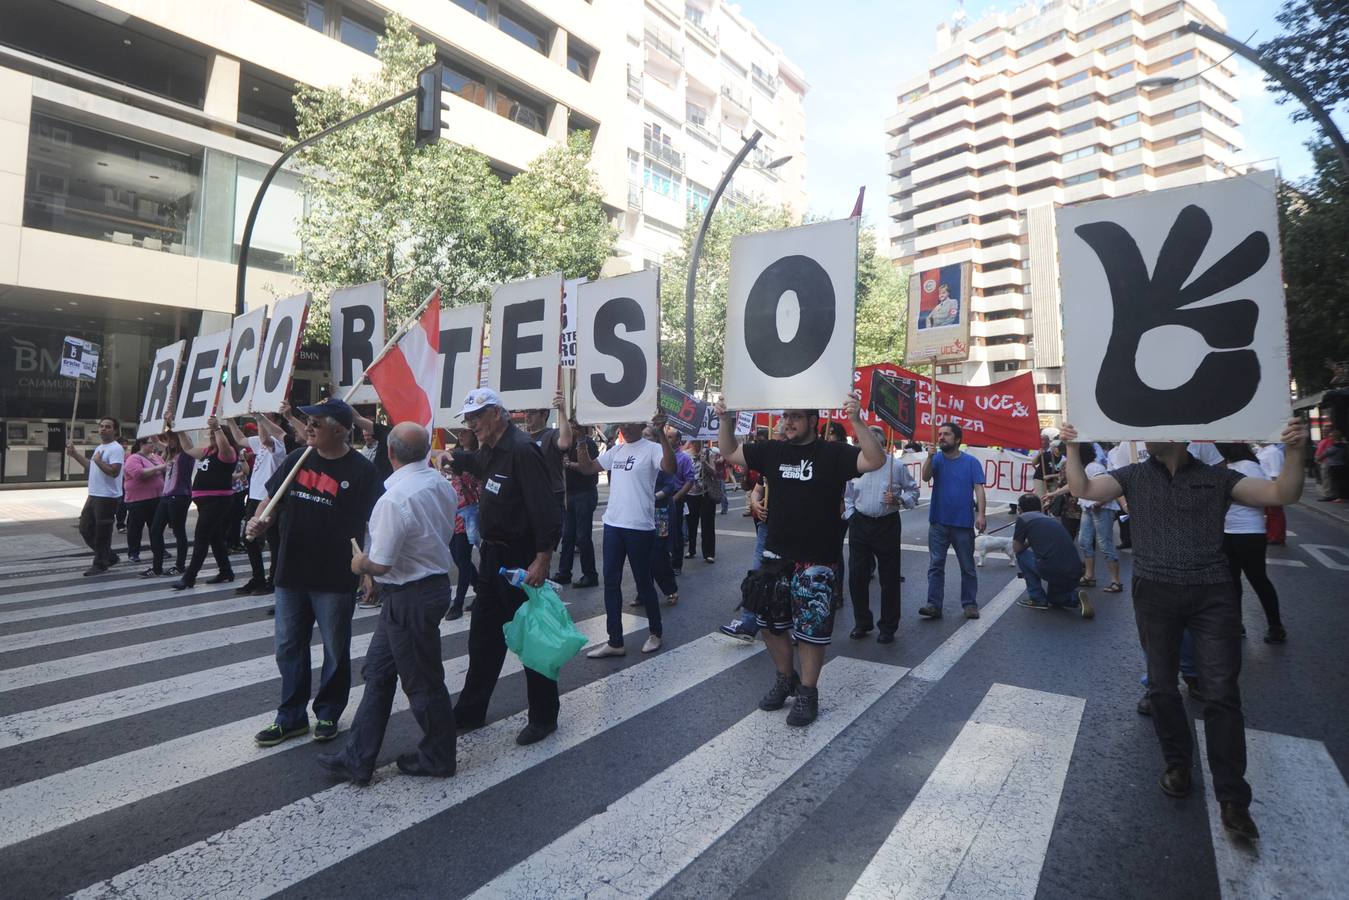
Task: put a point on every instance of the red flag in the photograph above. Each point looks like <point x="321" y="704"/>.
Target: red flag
<point x="407" y="379"/>
<point x="857" y="207"/>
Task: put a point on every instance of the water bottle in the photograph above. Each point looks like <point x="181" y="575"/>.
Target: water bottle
<point x="516" y="578"/>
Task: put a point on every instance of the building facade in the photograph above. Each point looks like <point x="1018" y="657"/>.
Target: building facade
<point x="1052" y="104"/>
<point x="699" y="79"/>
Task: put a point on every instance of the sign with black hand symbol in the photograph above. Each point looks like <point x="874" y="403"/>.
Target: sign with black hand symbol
<point x="790" y="313"/>
<point x="618" y="335"/>
<point x="1173" y="314"/>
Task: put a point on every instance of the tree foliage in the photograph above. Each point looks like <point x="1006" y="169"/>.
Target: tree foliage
<point x="1314" y="237"/>
<point x="882" y="294"/>
<point x="1314" y="49"/>
<point x="433" y="217"/>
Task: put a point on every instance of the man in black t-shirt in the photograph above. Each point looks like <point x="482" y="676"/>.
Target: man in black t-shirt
<point x="1049" y="560"/>
<point x="326" y="507"/>
<point x="805" y="478"/>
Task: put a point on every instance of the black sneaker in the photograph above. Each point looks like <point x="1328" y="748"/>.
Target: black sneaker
<point x="151" y="573"/>
<point x="929" y="612"/>
<point x="559" y="578"/>
<point x="274" y="734"/>
<point x="586" y="581"/>
<point x="806" y="707"/>
<point x="172" y="572"/>
<point x="783" y="687"/>
<point x="325" y="730"/>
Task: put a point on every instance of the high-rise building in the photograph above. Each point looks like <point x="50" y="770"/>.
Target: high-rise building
<point x="700" y="78"/>
<point x="1057" y="102"/>
<point x="134" y="134"/>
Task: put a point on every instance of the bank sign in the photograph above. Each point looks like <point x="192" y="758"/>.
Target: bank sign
<point x="31" y="381"/>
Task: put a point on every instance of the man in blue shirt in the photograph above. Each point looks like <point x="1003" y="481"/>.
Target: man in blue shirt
<point x="957" y="488"/>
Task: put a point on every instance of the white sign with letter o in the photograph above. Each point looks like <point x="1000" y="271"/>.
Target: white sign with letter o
<point x="790" y="317"/>
<point x="284" y="332"/>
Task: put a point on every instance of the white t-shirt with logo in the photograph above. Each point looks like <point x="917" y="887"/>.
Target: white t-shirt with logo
<point x="632" y="484"/>
<point x="1243" y="519"/>
<point x="264" y="464"/>
<point x="102" y="484"/>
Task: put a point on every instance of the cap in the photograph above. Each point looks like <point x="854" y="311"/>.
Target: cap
<point x="480" y="398"/>
<point x="336" y="409"/>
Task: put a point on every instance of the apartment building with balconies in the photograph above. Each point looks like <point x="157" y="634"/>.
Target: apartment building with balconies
<point x="1018" y="113"/>
<point x="700" y="78"/>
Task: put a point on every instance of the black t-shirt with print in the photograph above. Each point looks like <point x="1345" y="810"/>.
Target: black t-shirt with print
<point x="806" y="482"/>
<point x="328" y="504"/>
<point x="578" y="482"/>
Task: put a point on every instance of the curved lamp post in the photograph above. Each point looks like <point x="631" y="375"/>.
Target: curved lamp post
<point x="696" y="253"/>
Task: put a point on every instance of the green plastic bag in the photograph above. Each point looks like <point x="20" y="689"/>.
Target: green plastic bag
<point x="542" y="633"/>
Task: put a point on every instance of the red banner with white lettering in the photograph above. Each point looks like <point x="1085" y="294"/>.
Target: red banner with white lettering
<point x="1003" y="414"/>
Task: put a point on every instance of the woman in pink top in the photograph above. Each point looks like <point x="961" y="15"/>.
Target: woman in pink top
<point x="212" y="489"/>
<point x="142" y="483"/>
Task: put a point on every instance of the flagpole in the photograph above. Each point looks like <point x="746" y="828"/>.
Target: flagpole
<point x="351" y="392"/>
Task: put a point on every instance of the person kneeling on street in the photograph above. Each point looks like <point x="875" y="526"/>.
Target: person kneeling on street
<point x="1048" y="559"/>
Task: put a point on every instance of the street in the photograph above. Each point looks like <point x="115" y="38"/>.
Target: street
<point x="988" y="758"/>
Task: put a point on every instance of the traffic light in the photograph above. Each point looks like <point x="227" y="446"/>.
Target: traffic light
<point x="430" y="104"/>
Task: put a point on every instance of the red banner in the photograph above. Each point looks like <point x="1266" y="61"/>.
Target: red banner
<point x="993" y="415"/>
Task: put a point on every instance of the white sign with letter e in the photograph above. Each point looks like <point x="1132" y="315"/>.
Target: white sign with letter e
<point x="526" y="329"/>
<point x="790" y="317"/>
<point x="1173" y="314"/>
<point x="618" y="340"/>
<point x="201" y="381"/>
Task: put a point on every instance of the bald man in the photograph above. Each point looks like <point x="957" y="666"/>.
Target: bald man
<point x="409" y="555"/>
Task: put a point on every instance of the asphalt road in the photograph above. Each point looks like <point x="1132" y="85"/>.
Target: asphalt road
<point x="997" y="757"/>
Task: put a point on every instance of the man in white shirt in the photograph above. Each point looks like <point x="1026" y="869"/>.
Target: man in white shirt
<point x="410" y="531"/>
<point x="105" y="491"/>
<point x="630" y="525"/>
<point x="269" y="450"/>
<point x="871" y="504"/>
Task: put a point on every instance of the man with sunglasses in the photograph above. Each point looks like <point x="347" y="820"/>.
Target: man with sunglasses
<point x="326" y="507"/>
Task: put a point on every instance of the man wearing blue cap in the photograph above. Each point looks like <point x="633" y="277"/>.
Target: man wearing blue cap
<point x="326" y="507"/>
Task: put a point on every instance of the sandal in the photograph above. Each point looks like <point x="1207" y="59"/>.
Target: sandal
<point x="1084" y="581"/>
<point x="1113" y="587"/>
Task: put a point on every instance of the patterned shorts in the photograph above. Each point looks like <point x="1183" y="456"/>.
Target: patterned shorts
<point x="817" y="593"/>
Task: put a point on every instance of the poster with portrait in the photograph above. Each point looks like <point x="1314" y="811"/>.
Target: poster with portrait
<point x="939" y="314"/>
<point x="1173" y="314"/>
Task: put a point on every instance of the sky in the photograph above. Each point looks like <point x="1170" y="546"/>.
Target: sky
<point x="855" y="52"/>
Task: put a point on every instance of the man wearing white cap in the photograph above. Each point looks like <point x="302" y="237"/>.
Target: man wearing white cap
<point x="520" y="524"/>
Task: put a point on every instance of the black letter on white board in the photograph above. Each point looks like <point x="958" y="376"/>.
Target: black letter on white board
<point x="627" y="312"/>
<point x="159" y="394"/>
<point x="358" y="340"/>
<point x="513" y="346"/>
<point x="276" y="360"/>
<point x="814" y="293"/>
<point x="239" y="384"/>
<point x="453" y="341"/>
<point x="199" y="385"/>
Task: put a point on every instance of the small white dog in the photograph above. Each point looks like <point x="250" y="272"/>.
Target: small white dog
<point x="986" y="543"/>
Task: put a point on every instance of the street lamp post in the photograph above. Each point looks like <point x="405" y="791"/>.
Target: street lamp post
<point x="695" y="254"/>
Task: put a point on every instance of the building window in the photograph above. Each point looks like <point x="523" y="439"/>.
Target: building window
<point x="464" y="83"/>
<point x="520" y="110"/>
<point x="1077" y="102"/>
<point x="1117" y="46"/>
<point x="1126" y="146"/>
<point x="1184" y="57"/>
<point x="1122" y="95"/>
<point x="1079" y="153"/>
<point x="697" y="197"/>
<point x="1008" y="365"/>
<point x="266" y="101"/>
<point x="1186" y="110"/>
<point x="1130" y="172"/>
<point x="580" y="59"/>
<point x="359" y="33"/>
<point x="1124" y="120"/>
<point x="532" y="36"/>
<point x="1081" y="179"/>
<point x="95" y="184"/>
<point x="996" y="54"/>
<point x="659" y="179"/>
<point x="1079" y="127"/>
<point x="953" y="369"/>
<point x="476" y="7"/>
<point x="947" y="67"/>
<point x="1120" y="70"/>
<point x="310" y="12"/>
<point x="1075" y="78"/>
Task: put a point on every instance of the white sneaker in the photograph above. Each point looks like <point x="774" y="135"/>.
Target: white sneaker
<point x="652" y="644"/>
<point x="604" y="650"/>
<point x="672" y="599"/>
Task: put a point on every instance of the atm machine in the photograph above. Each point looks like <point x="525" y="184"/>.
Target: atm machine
<point x="34" y="450"/>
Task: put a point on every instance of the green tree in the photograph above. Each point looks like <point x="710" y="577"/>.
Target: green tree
<point x="1314" y="49"/>
<point x="1314" y="238"/>
<point x="433" y="217"/>
<point x="881" y="294"/>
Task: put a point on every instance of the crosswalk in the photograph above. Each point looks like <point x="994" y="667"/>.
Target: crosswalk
<point x="127" y="767"/>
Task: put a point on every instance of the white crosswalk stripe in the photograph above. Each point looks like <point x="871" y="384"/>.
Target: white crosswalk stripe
<point x="97" y="604"/>
<point x="75" y="586"/>
<point x="43" y="637"/>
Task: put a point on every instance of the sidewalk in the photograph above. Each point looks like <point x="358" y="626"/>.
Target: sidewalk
<point x="1311" y="499"/>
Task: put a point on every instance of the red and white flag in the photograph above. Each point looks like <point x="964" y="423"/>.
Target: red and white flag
<point x="407" y="379"/>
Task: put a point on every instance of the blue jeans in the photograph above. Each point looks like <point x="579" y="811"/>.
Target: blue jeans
<point x="676" y="538"/>
<point x="470" y="516"/>
<point x="1057" y="590"/>
<point x="578" y="523"/>
<point x="939" y="538"/>
<point x="1098" y="529"/>
<point x="296" y="613"/>
<point x="760" y="538"/>
<point x="637" y="547"/>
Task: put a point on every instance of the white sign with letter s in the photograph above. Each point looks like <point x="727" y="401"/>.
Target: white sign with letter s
<point x="617" y="348"/>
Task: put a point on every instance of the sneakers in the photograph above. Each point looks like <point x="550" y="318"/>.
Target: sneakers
<point x="604" y="650"/>
<point x="672" y="599"/>
<point x="369" y="602"/>
<point x="1237" y="819"/>
<point x="151" y="573"/>
<point x="325" y="730"/>
<point x="738" y="631"/>
<point x="929" y="611"/>
<point x="173" y="571"/>
<point x="1032" y="603"/>
<point x="971" y="612"/>
<point x="274" y="734"/>
<point x="806" y="708"/>
<point x="652" y="644"/>
<point x="1088" y="611"/>
<point x="586" y="581"/>
<point x="783" y="687"/>
<point x="709" y="559"/>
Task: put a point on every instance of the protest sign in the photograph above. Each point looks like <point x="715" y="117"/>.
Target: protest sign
<point x="686" y="413"/>
<point x="284" y="331"/>
<point x="892" y="400"/>
<point x="567" y="342"/>
<point x="617" y="346"/>
<point x="201" y="381"/>
<point x="1007" y="473"/>
<point x="356" y="317"/>
<point x="526" y="333"/>
<point x="79" y="358"/>
<point x="460" y="354"/>
<point x="159" y="392"/>
<point x="245" y="351"/>
<point x="939" y="314"/>
<point x="790" y="314"/>
<point x="1173" y="314"/>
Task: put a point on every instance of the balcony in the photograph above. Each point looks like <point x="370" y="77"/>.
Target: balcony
<point x="707" y="135"/>
<point x="764" y="82"/>
<point x="634" y="85"/>
<point x="662" y="46"/>
<point x="663" y="153"/>
<point x="736" y="99"/>
<point x="634" y="195"/>
<point x="698" y="27"/>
